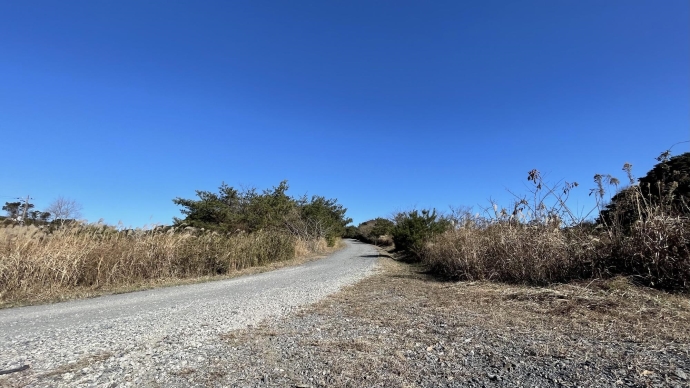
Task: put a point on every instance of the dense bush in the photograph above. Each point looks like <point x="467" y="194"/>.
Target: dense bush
<point x="231" y="210"/>
<point x="351" y="231"/>
<point x="414" y="228"/>
<point x="377" y="231"/>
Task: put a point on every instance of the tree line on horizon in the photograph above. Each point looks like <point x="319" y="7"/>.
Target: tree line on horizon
<point x="60" y="210"/>
<point x="230" y="210"/>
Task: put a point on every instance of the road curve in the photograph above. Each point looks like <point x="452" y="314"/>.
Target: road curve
<point x="137" y="327"/>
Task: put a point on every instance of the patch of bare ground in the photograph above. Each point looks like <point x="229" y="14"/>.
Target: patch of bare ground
<point x="402" y="328"/>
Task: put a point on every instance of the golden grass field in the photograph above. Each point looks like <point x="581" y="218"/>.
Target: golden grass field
<point x="38" y="266"/>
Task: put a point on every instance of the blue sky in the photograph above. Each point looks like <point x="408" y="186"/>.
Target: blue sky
<point x="384" y="105"/>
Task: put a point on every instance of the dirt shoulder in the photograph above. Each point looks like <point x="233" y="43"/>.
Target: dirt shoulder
<point x="402" y="328"/>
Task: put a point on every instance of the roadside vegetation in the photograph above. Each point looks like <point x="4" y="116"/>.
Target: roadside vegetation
<point x="236" y="211"/>
<point x="642" y="233"/>
<point x="376" y="231"/>
<point x="221" y="234"/>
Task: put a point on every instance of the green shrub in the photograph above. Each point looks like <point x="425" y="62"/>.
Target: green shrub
<point x="414" y="228"/>
<point x="231" y="210"/>
<point x="372" y="231"/>
<point x="351" y="231"/>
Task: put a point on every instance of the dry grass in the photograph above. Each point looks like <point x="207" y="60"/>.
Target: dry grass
<point x="612" y="309"/>
<point x="655" y="252"/>
<point x="540" y="241"/>
<point x="306" y="247"/>
<point x="37" y="266"/>
<point x="534" y="254"/>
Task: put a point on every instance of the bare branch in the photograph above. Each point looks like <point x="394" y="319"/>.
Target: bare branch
<point x="64" y="209"/>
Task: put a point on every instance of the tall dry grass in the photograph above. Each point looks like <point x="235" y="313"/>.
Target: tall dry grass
<point x="655" y="250"/>
<point x="35" y="263"/>
<point x="533" y="254"/>
<point x="539" y="241"/>
<point x="308" y="246"/>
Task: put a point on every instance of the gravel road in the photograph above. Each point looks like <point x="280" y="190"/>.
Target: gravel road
<point x="140" y="338"/>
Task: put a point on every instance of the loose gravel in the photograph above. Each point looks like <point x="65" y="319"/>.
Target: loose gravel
<point x="399" y="327"/>
<point x="402" y="328"/>
<point x="156" y="337"/>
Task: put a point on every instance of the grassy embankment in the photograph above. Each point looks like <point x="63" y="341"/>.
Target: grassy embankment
<point x="38" y="266"/>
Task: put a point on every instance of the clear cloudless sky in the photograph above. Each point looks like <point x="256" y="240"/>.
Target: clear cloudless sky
<point x="385" y="105"/>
